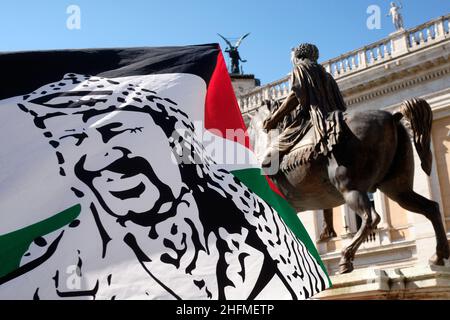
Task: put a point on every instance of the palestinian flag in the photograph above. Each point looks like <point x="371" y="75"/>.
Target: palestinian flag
<point x="127" y="174"/>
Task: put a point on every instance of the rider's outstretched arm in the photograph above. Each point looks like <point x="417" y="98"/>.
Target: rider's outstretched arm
<point x="289" y="104"/>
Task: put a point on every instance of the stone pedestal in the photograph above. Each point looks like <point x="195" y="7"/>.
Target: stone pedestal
<point x="243" y="83"/>
<point x="421" y="282"/>
<point x="400" y="43"/>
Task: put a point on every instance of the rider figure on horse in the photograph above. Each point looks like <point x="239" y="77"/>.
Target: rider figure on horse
<point x="316" y="102"/>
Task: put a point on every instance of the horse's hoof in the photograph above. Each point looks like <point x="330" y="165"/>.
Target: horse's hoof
<point x="346" y="268"/>
<point x="375" y="221"/>
<point x="444" y="253"/>
<point x="327" y="234"/>
<point x="435" y="260"/>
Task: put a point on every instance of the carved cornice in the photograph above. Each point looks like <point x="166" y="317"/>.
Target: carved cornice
<point x="394" y="87"/>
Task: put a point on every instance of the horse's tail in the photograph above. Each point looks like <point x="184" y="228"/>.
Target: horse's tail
<point x="419" y="115"/>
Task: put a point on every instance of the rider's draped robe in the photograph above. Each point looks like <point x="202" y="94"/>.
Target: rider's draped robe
<point x="319" y="98"/>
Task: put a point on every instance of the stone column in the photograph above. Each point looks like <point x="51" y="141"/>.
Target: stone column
<point x="422" y="227"/>
<point x="385" y="224"/>
<point x="362" y="59"/>
<point x="309" y="221"/>
<point x="434" y="183"/>
<point x="440" y="29"/>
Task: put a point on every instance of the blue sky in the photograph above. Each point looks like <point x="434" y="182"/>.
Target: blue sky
<point x="336" y="26"/>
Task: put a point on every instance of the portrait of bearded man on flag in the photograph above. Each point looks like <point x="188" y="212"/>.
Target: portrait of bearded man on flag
<point x="158" y="218"/>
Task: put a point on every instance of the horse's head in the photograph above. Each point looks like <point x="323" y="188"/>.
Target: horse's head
<point x="259" y="138"/>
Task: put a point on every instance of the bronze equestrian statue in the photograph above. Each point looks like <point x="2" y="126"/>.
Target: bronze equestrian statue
<point x="330" y="158"/>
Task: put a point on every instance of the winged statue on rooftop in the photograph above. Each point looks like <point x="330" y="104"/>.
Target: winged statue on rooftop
<point x="233" y="52"/>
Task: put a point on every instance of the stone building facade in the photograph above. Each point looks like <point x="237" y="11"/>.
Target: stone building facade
<point x="393" y="262"/>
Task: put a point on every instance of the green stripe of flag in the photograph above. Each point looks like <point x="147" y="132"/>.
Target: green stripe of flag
<point x="257" y="183"/>
<point x="15" y="244"/>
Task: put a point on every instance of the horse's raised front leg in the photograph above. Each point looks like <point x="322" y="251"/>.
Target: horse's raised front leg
<point x="360" y="203"/>
<point x="328" y="231"/>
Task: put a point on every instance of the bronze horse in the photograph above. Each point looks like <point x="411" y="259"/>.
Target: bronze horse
<point x="376" y="153"/>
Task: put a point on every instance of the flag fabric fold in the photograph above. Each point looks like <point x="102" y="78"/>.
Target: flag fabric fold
<point x="128" y="174"/>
